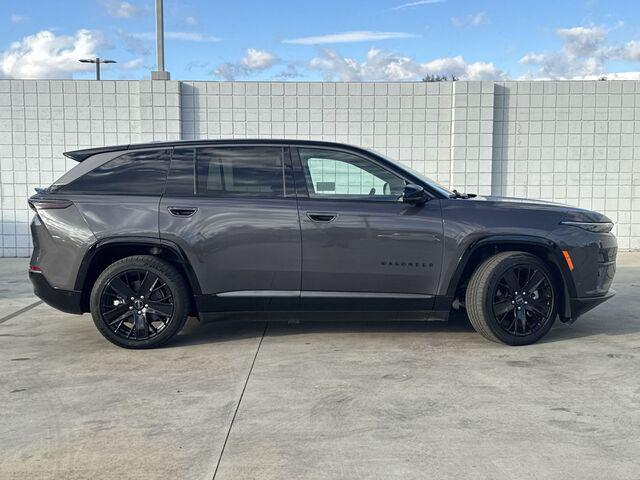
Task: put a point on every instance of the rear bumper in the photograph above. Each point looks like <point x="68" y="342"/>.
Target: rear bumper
<point x="580" y="306"/>
<point x="65" y="300"/>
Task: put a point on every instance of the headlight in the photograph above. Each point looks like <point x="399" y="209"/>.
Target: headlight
<point x="595" y="227"/>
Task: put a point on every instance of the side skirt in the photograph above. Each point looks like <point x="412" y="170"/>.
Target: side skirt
<point x="320" y="306"/>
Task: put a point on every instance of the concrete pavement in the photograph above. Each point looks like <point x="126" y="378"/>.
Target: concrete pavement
<point x="319" y="400"/>
<point x="15" y="291"/>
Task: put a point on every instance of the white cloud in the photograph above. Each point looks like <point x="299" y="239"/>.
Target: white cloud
<point x="614" y="76"/>
<point x="348" y="37"/>
<point x="195" y="65"/>
<point x="180" y="36"/>
<point x="121" y="9"/>
<point x="15" y="18"/>
<point x="623" y="76"/>
<point x="258" y="59"/>
<point x="417" y="3"/>
<point x="474" y="20"/>
<point x="584" y="54"/>
<point x="388" y="66"/>
<point x="582" y="41"/>
<point x="631" y="51"/>
<point x="291" y="72"/>
<point x="133" y="64"/>
<point x="46" y="55"/>
<point x="253" y="61"/>
<point x="190" y="37"/>
<point x="190" y="20"/>
<point x="134" y="44"/>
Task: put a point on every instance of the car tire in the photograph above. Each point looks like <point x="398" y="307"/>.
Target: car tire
<point x="499" y="306"/>
<point x="139" y="302"/>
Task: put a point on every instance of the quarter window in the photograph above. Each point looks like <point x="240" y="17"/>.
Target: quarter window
<point x="241" y="171"/>
<point x="136" y="173"/>
<point x="336" y="174"/>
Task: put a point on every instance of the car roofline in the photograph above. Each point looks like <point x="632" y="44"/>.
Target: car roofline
<point x="83" y="154"/>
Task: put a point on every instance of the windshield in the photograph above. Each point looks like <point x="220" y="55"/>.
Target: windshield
<point x="433" y="184"/>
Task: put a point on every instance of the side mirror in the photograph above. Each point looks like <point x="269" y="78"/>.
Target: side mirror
<point x="414" y="194"/>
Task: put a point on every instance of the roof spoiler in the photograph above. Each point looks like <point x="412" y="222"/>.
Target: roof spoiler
<point x="82" y="155"/>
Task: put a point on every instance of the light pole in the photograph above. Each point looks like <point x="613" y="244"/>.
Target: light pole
<point x="97" y="61"/>
<point x="160" y="73"/>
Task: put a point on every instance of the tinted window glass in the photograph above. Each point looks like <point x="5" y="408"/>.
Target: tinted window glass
<point x="136" y="173"/>
<point x="336" y="174"/>
<point x="243" y="171"/>
<point x="180" y="181"/>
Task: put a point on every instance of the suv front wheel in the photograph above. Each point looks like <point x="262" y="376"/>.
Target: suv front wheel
<point x="512" y="298"/>
<point x="139" y="302"/>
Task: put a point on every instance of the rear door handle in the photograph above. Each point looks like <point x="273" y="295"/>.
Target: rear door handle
<point x="321" y="216"/>
<point x="182" y="211"/>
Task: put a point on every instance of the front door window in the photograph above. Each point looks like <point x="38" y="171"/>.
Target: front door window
<point x="340" y="175"/>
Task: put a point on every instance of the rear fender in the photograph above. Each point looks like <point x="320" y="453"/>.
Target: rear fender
<point x="124" y="246"/>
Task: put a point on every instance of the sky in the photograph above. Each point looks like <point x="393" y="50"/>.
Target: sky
<point x="332" y="40"/>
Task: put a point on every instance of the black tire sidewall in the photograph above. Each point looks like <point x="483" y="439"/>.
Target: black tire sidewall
<point x="167" y="274"/>
<point x="523" y="259"/>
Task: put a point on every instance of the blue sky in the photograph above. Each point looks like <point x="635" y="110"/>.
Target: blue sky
<point x="334" y="39"/>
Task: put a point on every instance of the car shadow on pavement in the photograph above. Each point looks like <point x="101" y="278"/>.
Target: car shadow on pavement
<point x="592" y="326"/>
<point x="246" y="327"/>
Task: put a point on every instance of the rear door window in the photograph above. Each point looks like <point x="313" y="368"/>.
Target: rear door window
<point x="240" y="171"/>
<point x="180" y="180"/>
<point x="136" y="173"/>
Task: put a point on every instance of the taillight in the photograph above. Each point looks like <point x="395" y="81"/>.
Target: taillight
<point x="48" y="204"/>
<point x="35" y="268"/>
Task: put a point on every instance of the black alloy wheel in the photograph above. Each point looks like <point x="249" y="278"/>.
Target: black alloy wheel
<point x="140" y="302"/>
<point x="136" y="304"/>
<point x="512" y="297"/>
<point x="523" y="300"/>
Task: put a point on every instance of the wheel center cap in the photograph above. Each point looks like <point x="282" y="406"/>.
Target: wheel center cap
<point x="519" y="300"/>
<point x="138" y="304"/>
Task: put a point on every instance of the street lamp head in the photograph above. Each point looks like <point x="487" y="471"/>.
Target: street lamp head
<point x="97" y="61"/>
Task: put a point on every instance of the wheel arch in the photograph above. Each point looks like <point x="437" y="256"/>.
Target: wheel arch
<point x="543" y="248"/>
<point x="108" y="250"/>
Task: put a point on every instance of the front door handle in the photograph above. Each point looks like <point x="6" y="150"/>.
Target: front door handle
<point x="321" y="216"/>
<point x="182" y="211"/>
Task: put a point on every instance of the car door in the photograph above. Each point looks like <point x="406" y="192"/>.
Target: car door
<point x="237" y="223"/>
<point x="362" y="247"/>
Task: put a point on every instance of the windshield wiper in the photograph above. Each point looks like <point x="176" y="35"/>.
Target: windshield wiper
<point x="457" y="194"/>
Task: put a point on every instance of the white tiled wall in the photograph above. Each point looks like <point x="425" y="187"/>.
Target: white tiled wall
<point x="573" y="142"/>
<point x="471" y="153"/>
<point x="41" y="119"/>
<point x="410" y="122"/>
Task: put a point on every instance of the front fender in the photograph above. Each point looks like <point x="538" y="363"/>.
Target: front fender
<point x="468" y="257"/>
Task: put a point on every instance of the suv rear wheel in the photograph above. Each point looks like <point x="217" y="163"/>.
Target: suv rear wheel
<point x="139" y="302"/>
<point x="512" y="298"/>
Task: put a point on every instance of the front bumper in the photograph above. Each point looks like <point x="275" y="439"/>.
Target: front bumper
<point x="589" y="275"/>
<point x="580" y="306"/>
<point x="68" y="301"/>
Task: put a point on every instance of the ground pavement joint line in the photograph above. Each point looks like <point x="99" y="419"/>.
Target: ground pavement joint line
<point x="235" y="413"/>
<point x="20" y="312"/>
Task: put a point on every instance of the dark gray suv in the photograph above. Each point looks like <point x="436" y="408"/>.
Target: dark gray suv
<point x="143" y="236"/>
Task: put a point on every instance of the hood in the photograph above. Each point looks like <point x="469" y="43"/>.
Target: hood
<point x="572" y="212"/>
